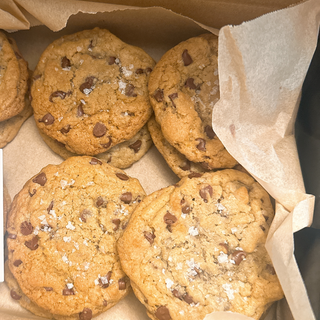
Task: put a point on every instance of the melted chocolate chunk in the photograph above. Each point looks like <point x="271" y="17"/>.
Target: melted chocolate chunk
<point x="194" y="175"/>
<point x="116" y="223"/>
<point x="177" y="294"/>
<point x="12" y="236"/>
<point x="95" y="161"/>
<point x="101" y="202"/>
<point x="148" y="70"/>
<point x="187" y="60"/>
<point x="80" y="112"/>
<point x="85" y="213"/>
<point x="31" y="194"/>
<point x="158" y="95"/>
<point x="209" y="132"/>
<point x="50" y="206"/>
<point x="172" y="97"/>
<point x="187" y="298"/>
<point x="185" y="208"/>
<point x="108" y="144"/>
<point x="57" y="94"/>
<point x="65" y="129"/>
<point x="201" y="145"/>
<point x="47" y="119"/>
<point x="68" y="292"/>
<point x="225" y="246"/>
<point x="205" y="166"/>
<point x="40" y="179"/>
<point x="65" y="63"/>
<point x="99" y="130"/>
<point x="163" y="313"/>
<point x="191" y="85"/>
<point x="126" y="197"/>
<point x="33" y="243"/>
<point x="149" y="236"/>
<point x="112" y="60"/>
<point x="169" y="218"/>
<point x="238" y="256"/>
<point x="139" y="71"/>
<point x="186" y="166"/>
<point x="17" y="263"/>
<point x="129" y="91"/>
<point x="122" y="284"/>
<point x="136" y="146"/>
<point x="205" y="193"/>
<point x="14" y="295"/>
<point x="86" y="314"/>
<point x="48" y="288"/>
<point x="122" y="176"/>
<point x="26" y="228"/>
<point x="88" y="85"/>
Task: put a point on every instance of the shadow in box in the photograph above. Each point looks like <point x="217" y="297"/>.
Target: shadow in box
<point x="307" y="131"/>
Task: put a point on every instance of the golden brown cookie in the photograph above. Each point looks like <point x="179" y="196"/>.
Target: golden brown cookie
<point x="62" y="232"/>
<point x="13" y="78"/>
<point x="183" y="89"/>
<point x="122" y="156"/>
<point x="90" y="91"/>
<point x="198" y="247"/>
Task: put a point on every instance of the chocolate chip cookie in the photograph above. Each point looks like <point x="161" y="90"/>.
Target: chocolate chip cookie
<point x="123" y="155"/>
<point x="198" y="247"/>
<point x="183" y="89"/>
<point x="90" y="91"/>
<point x="62" y="232"/>
<point x="13" y="78"/>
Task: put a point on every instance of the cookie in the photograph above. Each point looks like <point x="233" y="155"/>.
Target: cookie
<point x="183" y="89"/>
<point x="13" y="78"/>
<point x="62" y="232"/>
<point x="198" y="247"/>
<point x="123" y="155"/>
<point x="90" y="91"/>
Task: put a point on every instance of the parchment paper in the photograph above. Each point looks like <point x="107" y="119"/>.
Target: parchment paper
<point x="262" y="65"/>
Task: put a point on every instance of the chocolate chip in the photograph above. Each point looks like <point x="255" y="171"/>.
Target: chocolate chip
<point x="40" y="179"/>
<point x="88" y="85"/>
<point x="33" y="243"/>
<point x="204" y="192"/>
<point x="36" y="77"/>
<point x="205" y="166"/>
<point x="163" y="313"/>
<point x="201" y="145"/>
<point x="225" y="246"/>
<point x="187" y="298"/>
<point x="194" y="175"/>
<point x="101" y="202"/>
<point x="57" y="94"/>
<point x="129" y="91"/>
<point x="270" y="269"/>
<point x="17" y="263"/>
<point x="104" y="281"/>
<point x="186" y="166"/>
<point x="99" y="130"/>
<point x="139" y="71"/>
<point x="31" y="194"/>
<point x="126" y="197"/>
<point x="12" y="236"/>
<point x="177" y="294"/>
<point x="112" y="60"/>
<point x="266" y="217"/>
<point x="148" y="70"/>
<point x="47" y="119"/>
<point x="105" y="303"/>
<point x="169" y="218"/>
<point x="14" y="295"/>
<point x="65" y="63"/>
<point x="116" y="222"/>
<point x="50" y="206"/>
<point x="95" y="161"/>
<point x="185" y="208"/>
<point x="190" y="84"/>
<point x="86" y="314"/>
<point x="186" y="58"/>
<point x="80" y="112"/>
<point x="238" y="256"/>
<point x="263" y="228"/>
<point x="108" y="144"/>
<point x="209" y="132"/>
<point x="158" y="95"/>
<point x="122" y="176"/>
<point x="124" y="225"/>
<point x="48" y="288"/>
<point x="65" y="129"/>
<point x="149" y="236"/>
<point x="136" y="146"/>
<point x="84" y="214"/>
<point x="122" y="284"/>
<point x="172" y="97"/>
<point x="26" y="228"/>
<point x="68" y="292"/>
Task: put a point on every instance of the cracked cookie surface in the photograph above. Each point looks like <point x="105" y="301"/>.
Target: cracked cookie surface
<point x="13" y="78"/>
<point x="183" y="89"/>
<point x="198" y="247"/>
<point x="90" y="91"/>
<point x="62" y="232"/>
<point x="122" y="156"/>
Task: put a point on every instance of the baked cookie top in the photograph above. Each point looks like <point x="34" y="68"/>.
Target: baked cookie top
<point x="183" y="89"/>
<point x="123" y="155"/>
<point x="198" y="247"/>
<point x="62" y="232"/>
<point x="13" y="78"/>
<point x="90" y="91"/>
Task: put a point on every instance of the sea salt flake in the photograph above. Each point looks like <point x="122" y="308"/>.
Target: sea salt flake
<point x="69" y="285"/>
<point x="179" y="266"/>
<point x="79" y="49"/>
<point x="82" y="101"/>
<point x="66" y="239"/>
<point x="42" y="217"/>
<point x="193" y="231"/>
<point x="122" y="86"/>
<point x="223" y="258"/>
<point x="228" y="290"/>
<point x="169" y="283"/>
<point x="70" y="226"/>
<point x="86" y="265"/>
<point x="41" y="201"/>
<point x="126" y="72"/>
<point x="86" y="91"/>
<point x="234" y="230"/>
<point x="181" y="312"/>
<point x="53" y="213"/>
